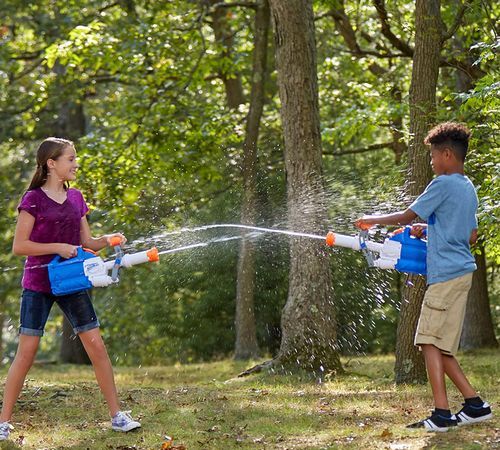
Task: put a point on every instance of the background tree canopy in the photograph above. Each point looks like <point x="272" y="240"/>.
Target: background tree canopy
<point x="142" y="87"/>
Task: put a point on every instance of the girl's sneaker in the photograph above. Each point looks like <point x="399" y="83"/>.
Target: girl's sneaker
<point x="473" y="413"/>
<point x="123" y="421"/>
<point x="5" y="428"/>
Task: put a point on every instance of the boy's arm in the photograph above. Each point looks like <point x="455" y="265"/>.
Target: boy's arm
<point x="473" y="237"/>
<point x="399" y="218"/>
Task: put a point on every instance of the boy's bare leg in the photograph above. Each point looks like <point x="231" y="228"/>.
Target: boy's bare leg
<point x="25" y="355"/>
<point x="95" y="348"/>
<point x="455" y="373"/>
<point x="435" y="370"/>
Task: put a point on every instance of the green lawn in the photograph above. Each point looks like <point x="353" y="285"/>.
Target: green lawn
<point x="203" y="406"/>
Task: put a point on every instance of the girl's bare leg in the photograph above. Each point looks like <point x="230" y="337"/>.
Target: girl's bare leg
<point x="95" y="348"/>
<point x="25" y="355"/>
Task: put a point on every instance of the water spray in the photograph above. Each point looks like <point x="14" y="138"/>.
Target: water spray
<point x="400" y="251"/>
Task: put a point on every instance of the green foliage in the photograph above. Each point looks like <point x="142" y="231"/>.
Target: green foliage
<point x="160" y="150"/>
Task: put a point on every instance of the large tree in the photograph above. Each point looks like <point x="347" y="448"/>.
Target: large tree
<point x="308" y="320"/>
<point x="410" y="366"/>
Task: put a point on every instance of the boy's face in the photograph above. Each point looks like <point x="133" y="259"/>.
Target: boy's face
<point x="440" y="159"/>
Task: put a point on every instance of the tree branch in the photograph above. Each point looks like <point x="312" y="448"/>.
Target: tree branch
<point x="386" y="29"/>
<point x="252" y="5"/>
<point x="370" y="148"/>
<point x="458" y="20"/>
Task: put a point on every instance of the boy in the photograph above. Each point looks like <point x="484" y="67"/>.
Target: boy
<point x="449" y="205"/>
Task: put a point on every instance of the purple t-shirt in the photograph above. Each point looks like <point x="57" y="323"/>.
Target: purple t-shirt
<point x="54" y="222"/>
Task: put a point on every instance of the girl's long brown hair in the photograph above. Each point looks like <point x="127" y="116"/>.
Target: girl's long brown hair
<point x="50" y="148"/>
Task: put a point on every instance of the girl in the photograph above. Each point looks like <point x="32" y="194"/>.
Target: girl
<point x="52" y="220"/>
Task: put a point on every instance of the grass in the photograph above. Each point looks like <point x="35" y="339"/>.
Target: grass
<point x="203" y="406"/>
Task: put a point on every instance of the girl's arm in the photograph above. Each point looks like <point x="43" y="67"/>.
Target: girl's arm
<point x="93" y="243"/>
<point x="22" y="244"/>
<point x="399" y="218"/>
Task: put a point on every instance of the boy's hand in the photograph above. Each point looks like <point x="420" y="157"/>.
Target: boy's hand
<point x="418" y="230"/>
<point x="66" y="250"/>
<point x="115" y="239"/>
<point x="364" y="223"/>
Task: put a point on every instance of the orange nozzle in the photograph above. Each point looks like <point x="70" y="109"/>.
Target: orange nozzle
<point x="115" y="240"/>
<point x="330" y="239"/>
<point x="153" y="255"/>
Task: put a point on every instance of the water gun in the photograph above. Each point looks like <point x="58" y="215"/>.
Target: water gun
<point x="87" y="270"/>
<point x="400" y="251"/>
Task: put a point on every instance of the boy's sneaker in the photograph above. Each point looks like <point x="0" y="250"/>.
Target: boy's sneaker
<point x="123" y="421"/>
<point x="473" y="413"/>
<point x="5" y="428"/>
<point x="436" y="422"/>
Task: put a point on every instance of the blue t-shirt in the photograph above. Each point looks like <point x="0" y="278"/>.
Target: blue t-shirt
<point x="449" y="205"/>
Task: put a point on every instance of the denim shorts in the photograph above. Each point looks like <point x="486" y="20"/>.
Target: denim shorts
<point x="35" y="309"/>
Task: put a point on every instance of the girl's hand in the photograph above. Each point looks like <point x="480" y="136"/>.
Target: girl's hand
<point x="66" y="250"/>
<point x="418" y="230"/>
<point x="110" y="238"/>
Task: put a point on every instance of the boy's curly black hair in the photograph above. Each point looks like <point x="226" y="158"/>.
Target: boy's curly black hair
<point x="450" y="134"/>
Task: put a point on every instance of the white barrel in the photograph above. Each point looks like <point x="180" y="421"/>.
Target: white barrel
<point x="341" y="240"/>
<point x="135" y="258"/>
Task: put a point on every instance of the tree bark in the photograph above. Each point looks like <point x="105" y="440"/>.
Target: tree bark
<point x="246" y="334"/>
<point x="224" y="37"/>
<point x="70" y="124"/>
<point x="410" y="367"/>
<point x="478" y="331"/>
<point x="308" y="321"/>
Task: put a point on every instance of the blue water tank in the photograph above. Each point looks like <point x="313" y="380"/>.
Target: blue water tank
<point x="413" y="258"/>
<point x="67" y="275"/>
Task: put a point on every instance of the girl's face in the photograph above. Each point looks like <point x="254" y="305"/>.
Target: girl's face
<point x="64" y="167"/>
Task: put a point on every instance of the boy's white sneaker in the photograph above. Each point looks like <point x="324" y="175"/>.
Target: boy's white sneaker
<point x="5" y="428"/>
<point x="123" y="422"/>
<point x="470" y="413"/>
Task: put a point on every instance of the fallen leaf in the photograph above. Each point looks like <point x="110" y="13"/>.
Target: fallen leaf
<point x="386" y="434"/>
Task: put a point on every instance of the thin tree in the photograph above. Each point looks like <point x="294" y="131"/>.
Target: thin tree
<point x="478" y="331"/>
<point x="246" y="335"/>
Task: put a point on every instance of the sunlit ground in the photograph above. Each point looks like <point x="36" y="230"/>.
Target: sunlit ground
<point x="205" y="406"/>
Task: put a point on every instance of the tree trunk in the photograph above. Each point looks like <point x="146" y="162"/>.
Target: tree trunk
<point x="308" y="322"/>
<point x="70" y="124"/>
<point x="224" y="37"/>
<point x="478" y="331"/>
<point x="246" y="335"/>
<point x="410" y="367"/>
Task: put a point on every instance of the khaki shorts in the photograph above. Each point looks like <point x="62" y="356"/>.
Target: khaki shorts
<point x="442" y="315"/>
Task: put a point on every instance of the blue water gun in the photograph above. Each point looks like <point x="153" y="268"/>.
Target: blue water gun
<point x="87" y="270"/>
<point x="400" y="251"/>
